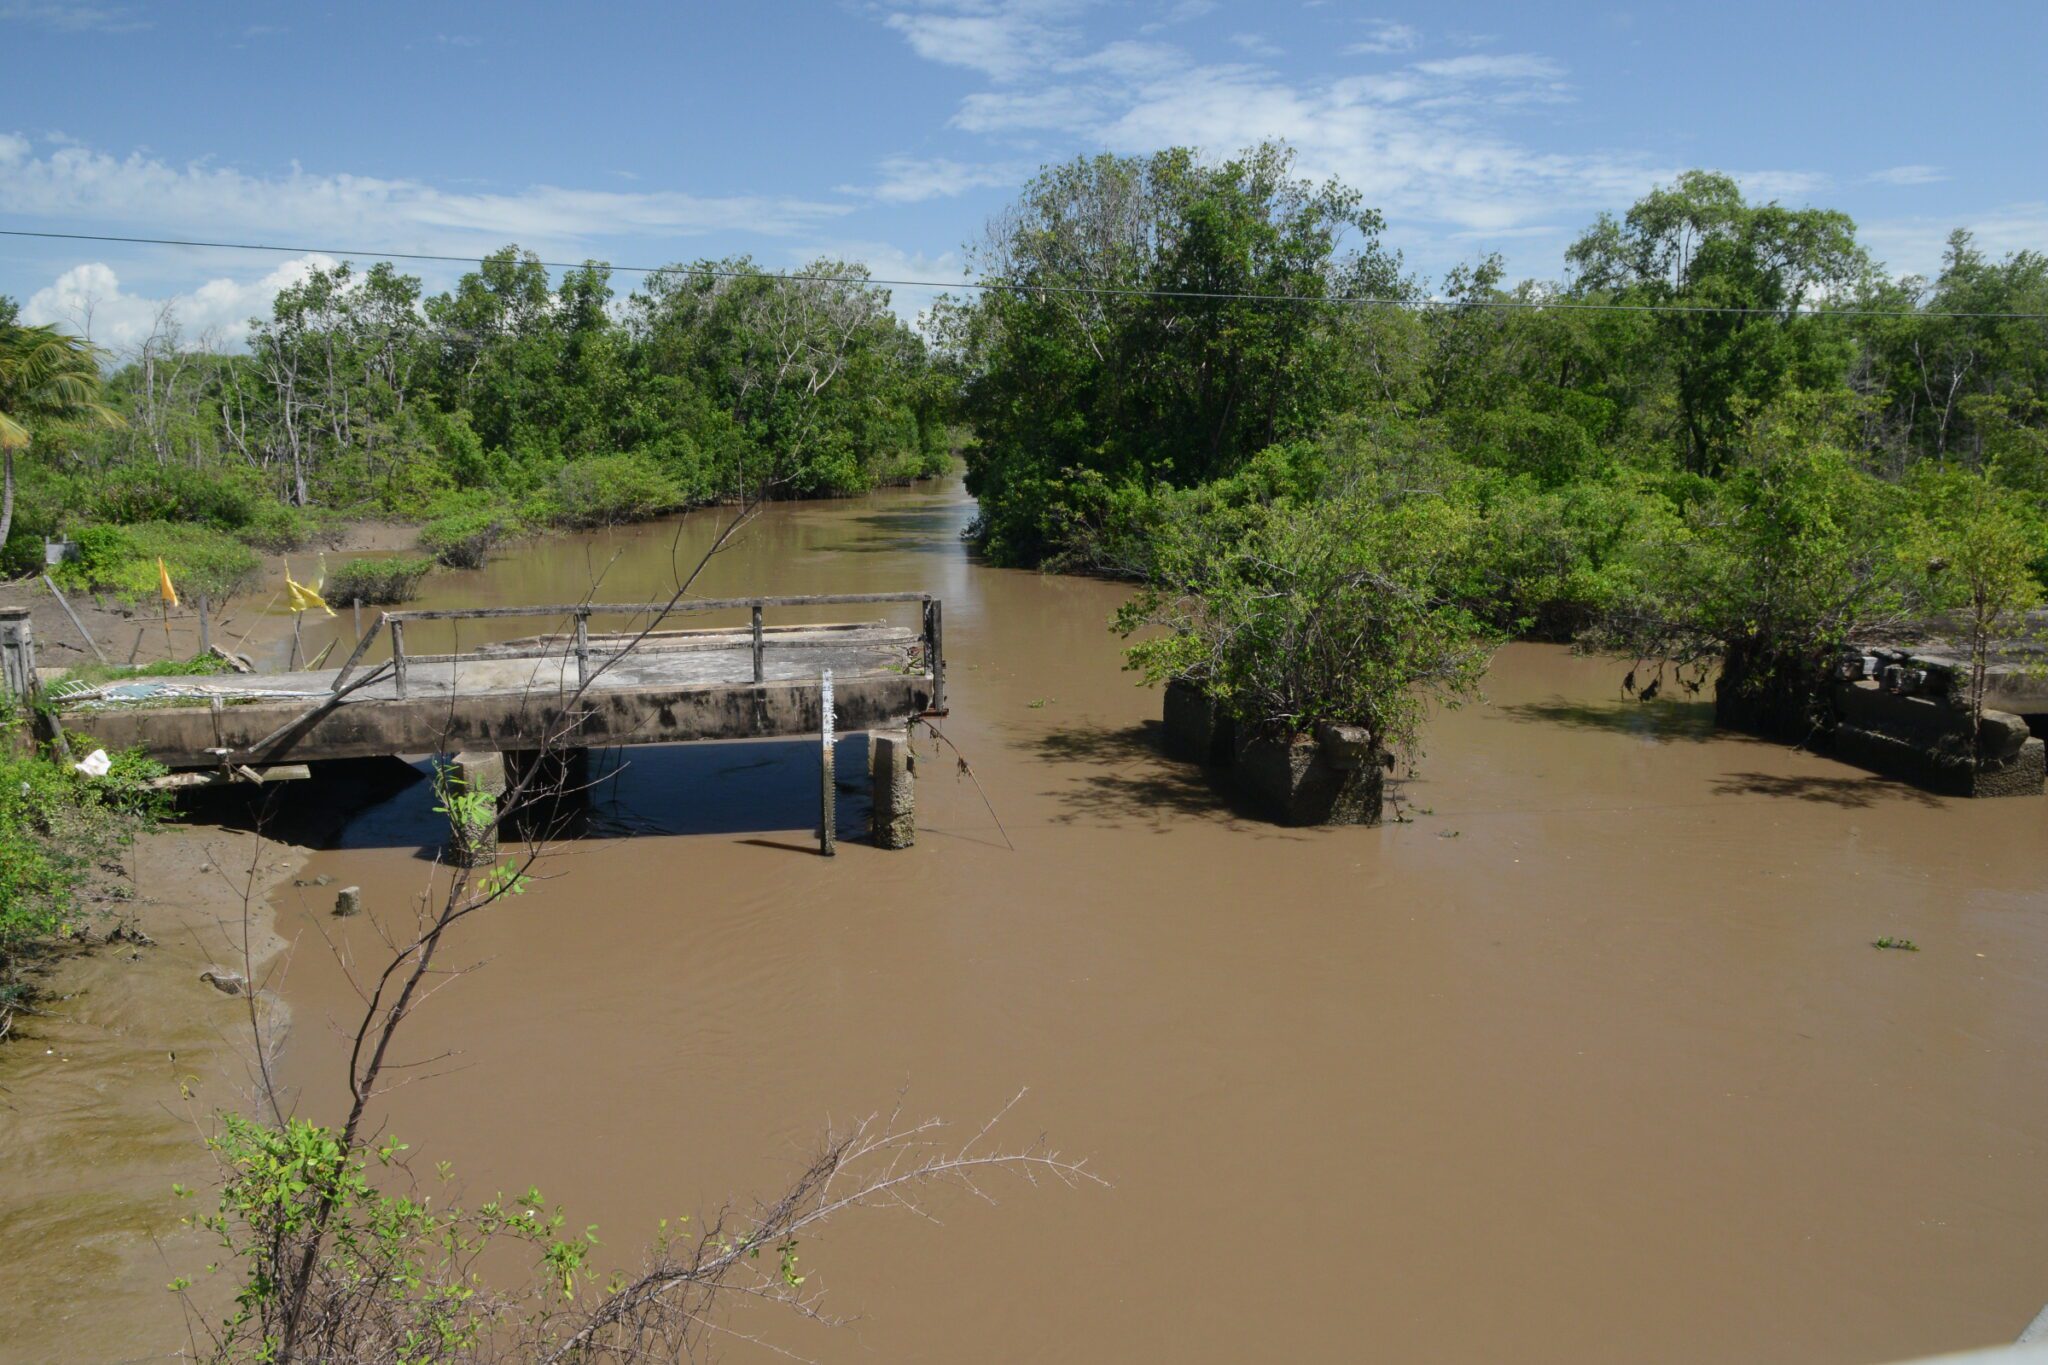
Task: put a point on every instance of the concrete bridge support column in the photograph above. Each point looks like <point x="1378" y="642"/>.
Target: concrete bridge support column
<point x="557" y="792"/>
<point x="473" y="841"/>
<point x="892" y="774"/>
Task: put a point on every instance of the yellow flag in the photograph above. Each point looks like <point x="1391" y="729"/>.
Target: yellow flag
<point x="163" y="583"/>
<point x="303" y="598"/>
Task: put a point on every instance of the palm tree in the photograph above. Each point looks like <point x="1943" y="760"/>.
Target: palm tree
<point x="44" y="374"/>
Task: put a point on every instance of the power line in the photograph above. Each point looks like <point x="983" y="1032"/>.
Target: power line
<point x="1005" y="286"/>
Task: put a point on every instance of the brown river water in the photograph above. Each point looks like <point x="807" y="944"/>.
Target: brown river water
<point x="1590" y="1060"/>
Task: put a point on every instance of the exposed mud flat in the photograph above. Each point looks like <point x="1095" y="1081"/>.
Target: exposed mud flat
<point x="1589" y="1060"/>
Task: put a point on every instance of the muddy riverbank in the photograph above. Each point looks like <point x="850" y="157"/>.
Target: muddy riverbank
<point x="1589" y="1060"/>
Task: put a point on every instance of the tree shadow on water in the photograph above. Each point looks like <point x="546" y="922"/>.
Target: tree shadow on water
<point x="1130" y="777"/>
<point x="1663" y="721"/>
<point x="1851" y="793"/>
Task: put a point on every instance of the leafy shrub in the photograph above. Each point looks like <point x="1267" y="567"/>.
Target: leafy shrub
<point x="377" y="582"/>
<point x="56" y="824"/>
<point x="605" y="490"/>
<point x="133" y="493"/>
<point x="123" y="560"/>
<point x="463" y="528"/>
<point x="1293" y="614"/>
<point x="276" y="527"/>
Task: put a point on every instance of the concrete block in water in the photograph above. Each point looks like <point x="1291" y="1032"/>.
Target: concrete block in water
<point x="348" y="900"/>
<point x="1197" y="731"/>
<point x="892" y="775"/>
<point x="1303" y="782"/>
<point x="474" y="843"/>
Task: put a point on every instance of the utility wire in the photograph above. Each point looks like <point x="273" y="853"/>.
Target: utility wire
<point x="1006" y="286"/>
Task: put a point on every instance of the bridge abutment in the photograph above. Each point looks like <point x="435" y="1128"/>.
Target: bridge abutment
<point x="892" y="775"/>
<point x="473" y="796"/>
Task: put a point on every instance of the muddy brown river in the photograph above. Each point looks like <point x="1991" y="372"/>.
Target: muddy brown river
<point x="1590" y="1060"/>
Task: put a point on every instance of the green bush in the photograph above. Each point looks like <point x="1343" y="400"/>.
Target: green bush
<point x="463" y="528"/>
<point x="377" y="582"/>
<point x="56" y="825"/>
<point x="1292" y="614"/>
<point x="123" y="560"/>
<point x="605" y="490"/>
<point x="133" y="493"/>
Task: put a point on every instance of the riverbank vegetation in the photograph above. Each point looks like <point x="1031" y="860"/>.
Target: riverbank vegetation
<point x="1723" y="441"/>
<point x="512" y="402"/>
<point x="59" y="830"/>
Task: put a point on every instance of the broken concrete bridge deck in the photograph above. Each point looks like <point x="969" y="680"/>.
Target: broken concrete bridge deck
<point x="668" y="687"/>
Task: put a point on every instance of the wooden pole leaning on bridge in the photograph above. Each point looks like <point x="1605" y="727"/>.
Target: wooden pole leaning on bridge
<point x="90" y="643"/>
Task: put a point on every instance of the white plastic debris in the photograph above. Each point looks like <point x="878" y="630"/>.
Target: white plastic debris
<point x="95" y="764"/>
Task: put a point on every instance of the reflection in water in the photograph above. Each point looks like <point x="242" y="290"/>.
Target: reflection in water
<point x="1612" y="1075"/>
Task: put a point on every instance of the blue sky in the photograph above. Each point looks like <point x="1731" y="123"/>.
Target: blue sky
<point x="889" y="130"/>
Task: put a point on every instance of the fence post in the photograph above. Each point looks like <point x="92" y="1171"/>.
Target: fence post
<point x="17" y="651"/>
<point x="828" y="815"/>
<point x="760" y="650"/>
<point x="398" y="656"/>
<point x="582" y="646"/>
<point x="935" y="652"/>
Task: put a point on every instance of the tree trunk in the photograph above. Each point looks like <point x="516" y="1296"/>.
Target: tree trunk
<point x="6" y="496"/>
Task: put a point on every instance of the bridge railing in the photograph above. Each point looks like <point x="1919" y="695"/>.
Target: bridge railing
<point x="931" y="630"/>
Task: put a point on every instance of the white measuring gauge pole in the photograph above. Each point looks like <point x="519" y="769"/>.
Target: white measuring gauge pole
<point x="827" y="812"/>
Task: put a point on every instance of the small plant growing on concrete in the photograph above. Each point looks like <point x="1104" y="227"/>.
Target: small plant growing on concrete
<point x="1904" y="945"/>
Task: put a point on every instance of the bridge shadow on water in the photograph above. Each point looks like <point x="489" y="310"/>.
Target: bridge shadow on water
<point x="757" y="787"/>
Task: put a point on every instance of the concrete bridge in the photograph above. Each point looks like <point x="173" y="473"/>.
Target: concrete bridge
<point x="563" y="692"/>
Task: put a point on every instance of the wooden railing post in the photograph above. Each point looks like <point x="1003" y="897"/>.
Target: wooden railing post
<point x="17" y="652"/>
<point x="935" y="651"/>
<point x="760" y="649"/>
<point x="398" y="656"/>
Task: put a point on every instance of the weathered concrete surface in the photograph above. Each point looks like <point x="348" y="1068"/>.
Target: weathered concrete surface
<point x="701" y="690"/>
<point x="1197" y="731"/>
<point x="475" y="843"/>
<point x="892" y="775"/>
<point x="1336" y="777"/>
<point x="1924" y="737"/>
<point x="1304" y="781"/>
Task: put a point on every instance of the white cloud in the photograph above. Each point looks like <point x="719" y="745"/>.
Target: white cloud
<point x="1002" y="39"/>
<point x="886" y="261"/>
<point x="1427" y="141"/>
<point x="1383" y="36"/>
<point x="1914" y="246"/>
<point x="911" y="180"/>
<point x="68" y="16"/>
<point x="90" y="300"/>
<point x="81" y="183"/>
<point x="1257" y="44"/>
<point x="1907" y="175"/>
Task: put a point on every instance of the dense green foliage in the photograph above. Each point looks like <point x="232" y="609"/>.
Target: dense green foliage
<point x="57" y="827"/>
<point x="1706" y="446"/>
<point x="559" y="403"/>
<point x="377" y="582"/>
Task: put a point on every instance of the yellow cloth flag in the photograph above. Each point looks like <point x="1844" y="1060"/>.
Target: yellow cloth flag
<point x="304" y="598"/>
<point x="163" y="583"/>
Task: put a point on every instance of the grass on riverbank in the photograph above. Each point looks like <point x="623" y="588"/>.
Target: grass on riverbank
<point x="61" y="831"/>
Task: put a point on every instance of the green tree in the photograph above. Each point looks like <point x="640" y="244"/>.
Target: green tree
<point x="45" y="375"/>
<point x="1970" y="548"/>
<point x="1122" y="345"/>
<point x="1738" y="279"/>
